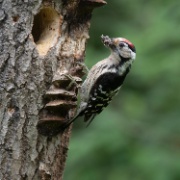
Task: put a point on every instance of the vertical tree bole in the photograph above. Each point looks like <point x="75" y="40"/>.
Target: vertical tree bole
<point x="41" y="44"/>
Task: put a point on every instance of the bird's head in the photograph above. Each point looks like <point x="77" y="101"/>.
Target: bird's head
<point x="120" y="46"/>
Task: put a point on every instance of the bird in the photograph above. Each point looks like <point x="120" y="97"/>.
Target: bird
<point x="105" y="78"/>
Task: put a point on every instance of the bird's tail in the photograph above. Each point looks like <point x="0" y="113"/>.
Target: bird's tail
<point x="87" y="119"/>
<point x="71" y="121"/>
<point x="90" y="119"/>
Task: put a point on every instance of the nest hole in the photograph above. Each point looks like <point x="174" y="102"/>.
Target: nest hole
<point x="46" y="29"/>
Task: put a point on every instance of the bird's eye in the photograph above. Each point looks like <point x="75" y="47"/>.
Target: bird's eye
<point x="121" y="44"/>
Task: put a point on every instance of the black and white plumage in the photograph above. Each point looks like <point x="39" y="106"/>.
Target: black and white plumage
<point x="105" y="78"/>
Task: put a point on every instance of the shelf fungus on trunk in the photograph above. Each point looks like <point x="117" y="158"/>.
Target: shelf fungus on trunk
<point x="59" y="101"/>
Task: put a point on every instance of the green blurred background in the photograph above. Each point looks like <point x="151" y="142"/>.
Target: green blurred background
<point x="138" y="136"/>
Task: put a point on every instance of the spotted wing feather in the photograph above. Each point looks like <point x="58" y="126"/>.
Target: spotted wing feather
<point x="101" y="94"/>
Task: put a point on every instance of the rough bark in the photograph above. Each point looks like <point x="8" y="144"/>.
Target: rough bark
<point x="40" y="44"/>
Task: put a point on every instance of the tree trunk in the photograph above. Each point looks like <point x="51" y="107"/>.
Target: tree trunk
<point x="42" y="46"/>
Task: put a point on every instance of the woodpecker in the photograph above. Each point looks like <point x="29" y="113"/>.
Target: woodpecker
<point x="105" y="78"/>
